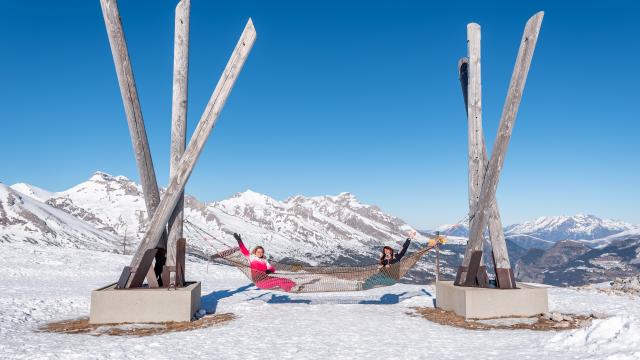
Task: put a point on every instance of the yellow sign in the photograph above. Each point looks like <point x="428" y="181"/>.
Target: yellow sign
<point x="438" y="240"/>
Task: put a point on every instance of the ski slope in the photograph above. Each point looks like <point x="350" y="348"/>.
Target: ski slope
<point x="42" y="284"/>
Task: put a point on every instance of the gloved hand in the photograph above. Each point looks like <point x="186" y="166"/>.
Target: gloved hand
<point x="237" y="236"/>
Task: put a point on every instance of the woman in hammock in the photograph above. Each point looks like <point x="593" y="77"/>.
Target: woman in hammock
<point x="387" y="273"/>
<point x="261" y="269"/>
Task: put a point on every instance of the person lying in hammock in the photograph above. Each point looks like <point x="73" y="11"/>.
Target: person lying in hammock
<point x="261" y="269"/>
<point x="388" y="273"/>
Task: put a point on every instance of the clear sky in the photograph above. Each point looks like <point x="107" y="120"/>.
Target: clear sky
<point x="336" y="96"/>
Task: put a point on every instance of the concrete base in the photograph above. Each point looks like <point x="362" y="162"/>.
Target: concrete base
<point x="110" y="306"/>
<point x="482" y="303"/>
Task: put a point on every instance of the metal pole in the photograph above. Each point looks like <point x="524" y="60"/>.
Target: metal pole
<point x="437" y="256"/>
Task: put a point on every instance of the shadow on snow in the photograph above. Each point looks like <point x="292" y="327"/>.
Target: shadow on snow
<point x="385" y="299"/>
<point x="209" y="302"/>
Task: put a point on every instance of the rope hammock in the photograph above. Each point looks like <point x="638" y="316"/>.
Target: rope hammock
<point x="299" y="278"/>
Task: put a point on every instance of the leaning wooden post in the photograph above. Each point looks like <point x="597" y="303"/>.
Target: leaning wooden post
<point x="178" y="128"/>
<point x="198" y="140"/>
<point x="502" y="266"/>
<point x="132" y="110"/>
<point x="507" y="120"/>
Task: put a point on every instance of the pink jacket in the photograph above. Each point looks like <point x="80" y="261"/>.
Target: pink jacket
<point x="260" y="267"/>
<point x="256" y="263"/>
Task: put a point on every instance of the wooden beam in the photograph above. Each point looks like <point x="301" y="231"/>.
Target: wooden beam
<point x="181" y="253"/>
<point x="145" y="269"/>
<point x="132" y="109"/>
<point x="124" y="278"/>
<point x="475" y="265"/>
<point x="474" y="115"/>
<point x="496" y="232"/>
<point x="507" y="120"/>
<point x="178" y="120"/>
<point x="471" y="81"/>
<point x="199" y="138"/>
<point x="475" y="134"/>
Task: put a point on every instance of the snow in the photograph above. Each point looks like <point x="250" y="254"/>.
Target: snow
<point x="618" y="336"/>
<point x="577" y="227"/>
<point x="42" y="284"/>
<point x="33" y="191"/>
<point x="291" y="228"/>
<point x="23" y="218"/>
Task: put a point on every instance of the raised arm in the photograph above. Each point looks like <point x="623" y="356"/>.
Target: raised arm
<point x="405" y="246"/>
<point x="243" y="249"/>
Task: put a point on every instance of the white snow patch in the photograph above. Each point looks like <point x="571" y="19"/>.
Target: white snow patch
<point x="48" y="284"/>
<point x="616" y="336"/>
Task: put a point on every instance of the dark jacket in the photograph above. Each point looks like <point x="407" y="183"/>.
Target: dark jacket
<point x="397" y="257"/>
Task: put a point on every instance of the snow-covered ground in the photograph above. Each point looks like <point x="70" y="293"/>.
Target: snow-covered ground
<point x="42" y="284"/>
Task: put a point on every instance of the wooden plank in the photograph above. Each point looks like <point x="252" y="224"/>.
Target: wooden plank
<point x="482" y="278"/>
<point x="504" y="279"/>
<point x="474" y="267"/>
<point x="151" y="278"/>
<point x="199" y="138"/>
<point x="124" y="278"/>
<point x="460" y="275"/>
<point x="178" y="119"/>
<point x="496" y="235"/>
<point x="181" y="252"/>
<point x="167" y="273"/>
<point x="507" y="120"/>
<point x="475" y="134"/>
<point x="474" y="115"/>
<point x="132" y="109"/>
<point x="496" y="232"/>
<point x="463" y="76"/>
<point x="143" y="268"/>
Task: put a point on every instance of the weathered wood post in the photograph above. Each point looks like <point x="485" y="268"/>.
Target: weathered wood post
<point x="178" y="129"/>
<point x="475" y="142"/>
<point x="502" y="266"/>
<point x="132" y="109"/>
<point x="507" y="120"/>
<point x="198" y="140"/>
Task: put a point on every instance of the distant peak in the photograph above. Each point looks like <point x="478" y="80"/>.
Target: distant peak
<point x="251" y="196"/>
<point x="248" y="197"/>
<point x="103" y="176"/>
<point x="99" y="175"/>
<point x="32" y="191"/>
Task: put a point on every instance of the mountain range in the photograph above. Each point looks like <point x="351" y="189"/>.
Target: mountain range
<point x="545" y="231"/>
<point x="107" y="213"/>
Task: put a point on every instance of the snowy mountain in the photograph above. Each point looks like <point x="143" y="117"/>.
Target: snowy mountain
<point x="99" y="213"/>
<point x="310" y="229"/>
<point x="32" y="191"/>
<point x="545" y="231"/>
<point x="578" y="227"/>
<point x="26" y="219"/>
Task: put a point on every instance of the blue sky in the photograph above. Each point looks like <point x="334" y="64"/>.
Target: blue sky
<point x="336" y="96"/>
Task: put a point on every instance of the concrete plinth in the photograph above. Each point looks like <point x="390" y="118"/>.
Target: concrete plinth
<point x="482" y="303"/>
<point x="109" y="306"/>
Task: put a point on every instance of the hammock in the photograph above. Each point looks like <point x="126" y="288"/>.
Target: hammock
<point x="298" y="278"/>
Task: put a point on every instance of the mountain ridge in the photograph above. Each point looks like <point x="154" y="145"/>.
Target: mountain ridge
<point x="326" y="229"/>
